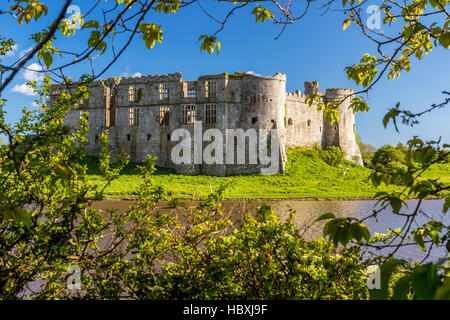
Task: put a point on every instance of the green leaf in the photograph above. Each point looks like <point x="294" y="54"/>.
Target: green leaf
<point x="48" y="58"/>
<point x="402" y="287"/>
<point x="443" y="292"/>
<point x="152" y="33"/>
<point x="446" y="204"/>
<point x="396" y="204"/>
<point x="326" y="216"/>
<point x="262" y="14"/>
<point x="418" y="238"/>
<point x="346" y="23"/>
<point x="65" y="172"/>
<point x="386" y="271"/>
<point x="209" y="44"/>
<point x="90" y="24"/>
<point x="444" y="40"/>
<point x="425" y="282"/>
<point x="18" y="215"/>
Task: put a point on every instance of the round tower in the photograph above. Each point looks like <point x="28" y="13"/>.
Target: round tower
<point x="263" y="101"/>
<point x="343" y="133"/>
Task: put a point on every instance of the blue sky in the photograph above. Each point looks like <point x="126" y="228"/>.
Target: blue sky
<point x="315" y="48"/>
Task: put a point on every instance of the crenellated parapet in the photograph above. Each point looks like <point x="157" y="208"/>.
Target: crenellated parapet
<point x="142" y="112"/>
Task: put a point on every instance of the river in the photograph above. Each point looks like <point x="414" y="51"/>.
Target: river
<point x="306" y="211"/>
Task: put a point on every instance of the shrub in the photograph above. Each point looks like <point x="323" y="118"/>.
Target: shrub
<point x="367" y="152"/>
<point x="263" y="259"/>
<point x="389" y="157"/>
<point x="333" y="156"/>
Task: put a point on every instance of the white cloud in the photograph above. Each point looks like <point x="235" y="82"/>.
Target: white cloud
<point x="127" y="73"/>
<point x="254" y="73"/>
<point x="25" y="51"/>
<point x="30" y="73"/>
<point x="13" y="51"/>
<point x="23" y="88"/>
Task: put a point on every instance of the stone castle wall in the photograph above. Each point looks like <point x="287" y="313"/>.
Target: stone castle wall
<point x="241" y="100"/>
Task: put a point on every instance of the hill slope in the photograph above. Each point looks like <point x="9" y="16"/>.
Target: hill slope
<point x="307" y="176"/>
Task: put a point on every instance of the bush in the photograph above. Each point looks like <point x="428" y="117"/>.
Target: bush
<point x="389" y="157"/>
<point x="333" y="156"/>
<point x="390" y="161"/>
<point x="262" y="259"/>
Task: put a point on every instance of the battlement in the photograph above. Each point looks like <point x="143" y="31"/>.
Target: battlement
<point x="141" y="113"/>
<point x="339" y="91"/>
<point x="171" y="77"/>
<point x="296" y="96"/>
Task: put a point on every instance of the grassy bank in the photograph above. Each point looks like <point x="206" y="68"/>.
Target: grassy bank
<point x="307" y="176"/>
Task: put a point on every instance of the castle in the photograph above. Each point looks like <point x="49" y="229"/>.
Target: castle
<point x="141" y="113"/>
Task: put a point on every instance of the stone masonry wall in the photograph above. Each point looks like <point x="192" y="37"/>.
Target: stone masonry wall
<point x="242" y="101"/>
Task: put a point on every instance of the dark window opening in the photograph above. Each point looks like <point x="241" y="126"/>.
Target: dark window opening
<point x="128" y="137"/>
<point x="290" y="121"/>
<point x="168" y="137"/>
<point x="96" y="138"/>
<point x="309" y="123"/>
<point x="148" y="137"/>
<point x="210" y="114"/>
<point x="254" y="120"/>
<point x="189" y="114"/>
<point x="272" y="121"/>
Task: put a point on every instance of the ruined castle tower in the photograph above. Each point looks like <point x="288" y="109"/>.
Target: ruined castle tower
<point x="142" y="113"/>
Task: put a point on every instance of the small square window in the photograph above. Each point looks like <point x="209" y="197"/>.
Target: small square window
<point x="254" y="120"/>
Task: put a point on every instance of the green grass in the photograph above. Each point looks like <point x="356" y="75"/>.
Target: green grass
<point x="438" y="171"/>
<point x="307" y="176"/>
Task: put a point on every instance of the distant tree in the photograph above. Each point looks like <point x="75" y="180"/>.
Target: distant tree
<point x="41" y="166"/>
<point x="367" y="151"/>
<point x="389" y="157"/>
<point x="401" y="147"/>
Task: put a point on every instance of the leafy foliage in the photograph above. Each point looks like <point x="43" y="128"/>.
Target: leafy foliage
<point x="262" y="14"/>
<point x="48" y="223"/>
<point x="209" y="43"/>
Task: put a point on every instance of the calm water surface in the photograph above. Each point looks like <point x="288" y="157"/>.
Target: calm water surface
<point x="309" y="210"/>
